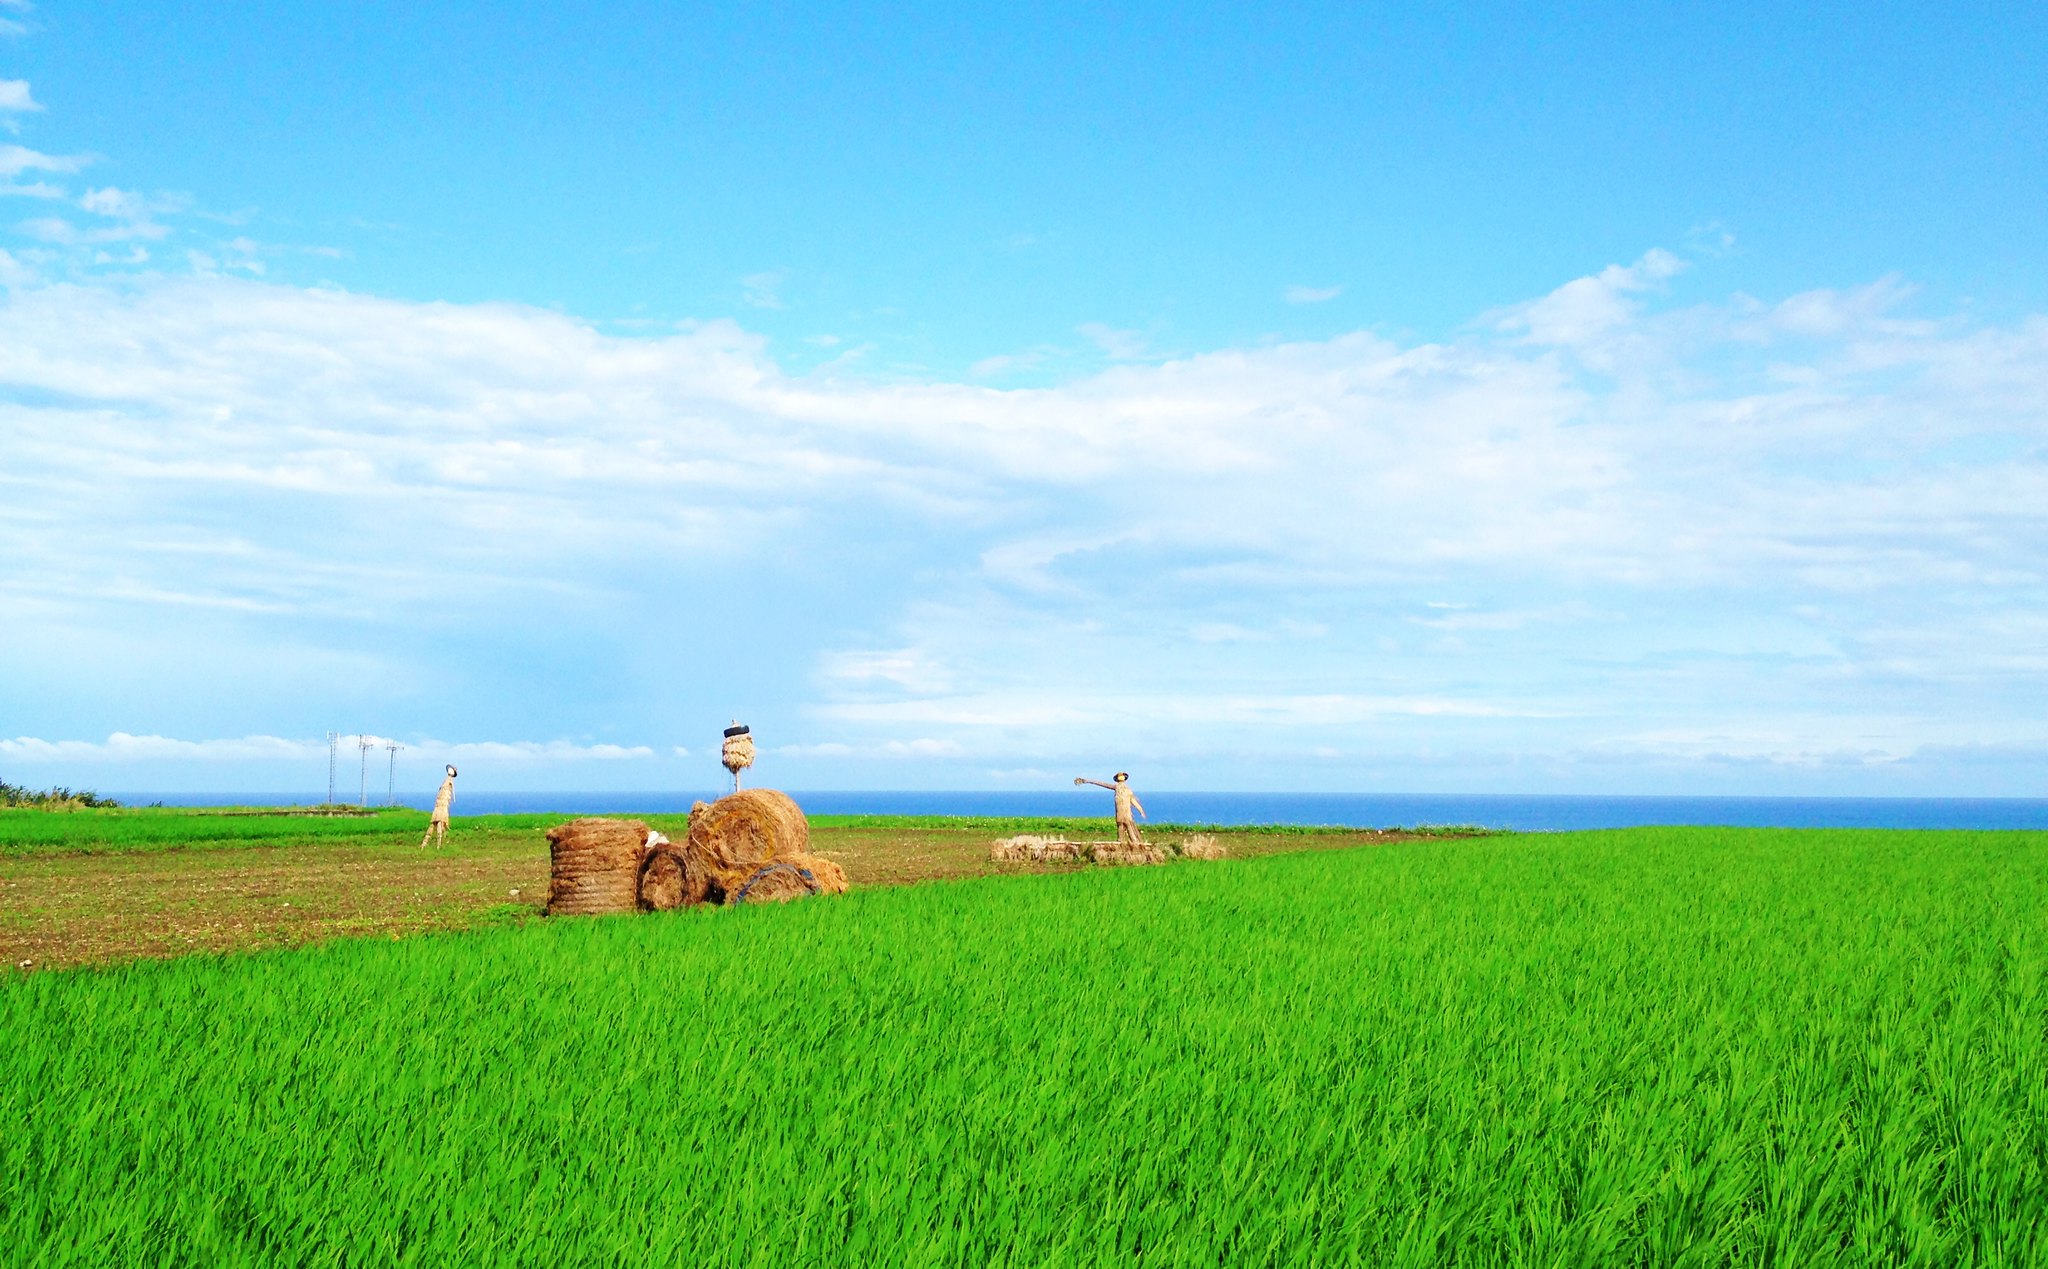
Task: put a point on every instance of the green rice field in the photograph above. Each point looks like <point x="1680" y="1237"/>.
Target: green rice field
<point x="1649" y="1047"/>
<point x="150" y="829"/>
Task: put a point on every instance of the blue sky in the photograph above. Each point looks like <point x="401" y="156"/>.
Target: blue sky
<point x="1328" y="398"/>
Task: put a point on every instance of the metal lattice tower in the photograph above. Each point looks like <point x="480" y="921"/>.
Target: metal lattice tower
<point x="364" y="744"/>
<point x="391" y="777"/>
<point x="333" y="746"/>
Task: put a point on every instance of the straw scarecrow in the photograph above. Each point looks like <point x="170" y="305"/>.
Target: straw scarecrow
<point x="437" y="828"/>
<point x="737" y="754"/>
<point x="1126" y="802"/>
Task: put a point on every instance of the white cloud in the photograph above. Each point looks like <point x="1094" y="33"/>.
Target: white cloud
<point x="16" y="159"/>
<point x="907" y="668"/>
<point x="531" y="751"/>
<point x="1007" y="363"/>
<point x="1117" y="345"/>
<point x="762" y="290"/>
<point x="1584" y="311"/>
<point x="922" y="747"/>
<point x="822" y="749"/>
<point x="1222" y="548"/>
<point x="1311" y="294"/>
<point x="14" y="96"/>
<point x="121" y="747"/>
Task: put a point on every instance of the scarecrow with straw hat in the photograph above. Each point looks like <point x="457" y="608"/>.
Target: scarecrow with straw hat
<point x="1126" y="802"/>
<point x="437" y="827"/>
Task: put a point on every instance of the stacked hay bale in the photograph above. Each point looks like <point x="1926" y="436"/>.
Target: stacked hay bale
<point x="749" y="847"/>
<point x="594" y="866"/>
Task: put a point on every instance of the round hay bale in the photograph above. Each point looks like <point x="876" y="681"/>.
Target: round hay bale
<point x="594" y="866"/>
<point x="661" y="882"/>
<point x="777" y="881"/>
<point x="741" y="831"/>
<point x="670" y="878"/>
<point x="831" y="878"/>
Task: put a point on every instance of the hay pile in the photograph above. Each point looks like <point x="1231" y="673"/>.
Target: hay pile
<point x="751" y="847"/>
<point x="792" y="877"/>
<point x="831" y="878"/>
<point x="1202" y="846"/>
<point x="594" y="866"/>
<point x="1117" y="853"/>
<point x="1030" y="849"/>
<point x="672" y="878"/>
<point x="777" y="881"/>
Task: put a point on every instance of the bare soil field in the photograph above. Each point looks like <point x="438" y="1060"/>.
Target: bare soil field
<point x="72" y="908"/>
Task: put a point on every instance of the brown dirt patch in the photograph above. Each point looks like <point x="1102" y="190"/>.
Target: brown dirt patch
<point x="68" y="909"/>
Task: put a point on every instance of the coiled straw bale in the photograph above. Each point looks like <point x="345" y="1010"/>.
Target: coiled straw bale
<point x="739" y="832"/>
<point x="594" y="866"/>
<point x="672" y="878"/>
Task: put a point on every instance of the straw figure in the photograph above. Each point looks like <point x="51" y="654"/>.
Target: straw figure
<point x="738" y="752"/>
<point x="1126" y="802"/>
<point x="437" y="827"/>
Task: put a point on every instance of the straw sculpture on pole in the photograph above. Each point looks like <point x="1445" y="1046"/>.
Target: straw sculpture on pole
<point x="737" y="753"/>
<point x="751" y="846"/>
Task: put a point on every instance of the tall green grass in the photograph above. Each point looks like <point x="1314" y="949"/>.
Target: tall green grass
<point x="144" y="829"/>
<point x="1653" y="1047"/>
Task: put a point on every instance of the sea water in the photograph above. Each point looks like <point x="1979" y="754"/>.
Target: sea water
<point x="1525" y="812"/>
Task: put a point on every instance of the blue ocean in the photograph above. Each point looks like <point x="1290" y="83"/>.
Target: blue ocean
<point x="1528" y="813"/>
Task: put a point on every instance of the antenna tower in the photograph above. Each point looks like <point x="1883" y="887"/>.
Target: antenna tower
<point x="391" y="777"/>
<point x="364" y="744"/>
<point x="333" y="742"/>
